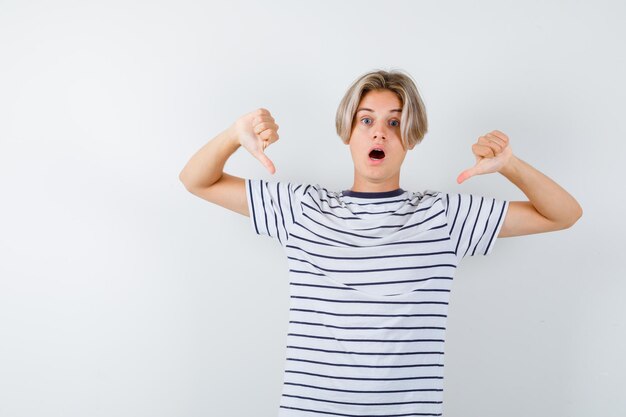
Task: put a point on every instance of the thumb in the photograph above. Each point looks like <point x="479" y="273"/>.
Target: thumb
<point x="266" y="161"/>
<point x="468" y="173"/>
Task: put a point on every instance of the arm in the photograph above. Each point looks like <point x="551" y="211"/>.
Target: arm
<point x="206" y="166"/>
<point x="550" y="207"/>
<point x="203" y="175"/>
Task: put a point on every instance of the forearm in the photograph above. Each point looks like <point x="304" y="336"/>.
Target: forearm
<point x="548" y="197"/>
<point x="206" y="166"/>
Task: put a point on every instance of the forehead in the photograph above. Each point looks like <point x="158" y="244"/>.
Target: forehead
<point x="380" y="101"/>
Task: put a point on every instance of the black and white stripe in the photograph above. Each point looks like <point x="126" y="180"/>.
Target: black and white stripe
<point x="370" y="277"/>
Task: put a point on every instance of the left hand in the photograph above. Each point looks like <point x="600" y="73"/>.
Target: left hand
<point x="492" y="153"/>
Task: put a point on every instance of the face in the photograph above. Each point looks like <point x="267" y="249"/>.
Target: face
<point x="377" y="125"/>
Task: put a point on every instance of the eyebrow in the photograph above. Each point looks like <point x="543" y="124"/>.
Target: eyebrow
<point x="390" y="111"/>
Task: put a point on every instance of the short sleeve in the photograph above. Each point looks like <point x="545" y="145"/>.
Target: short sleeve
<point x="474" y="222"/>
<point x="271" y="205"/>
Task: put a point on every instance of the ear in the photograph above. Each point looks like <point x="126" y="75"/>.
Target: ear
<point x="411" y="147"/>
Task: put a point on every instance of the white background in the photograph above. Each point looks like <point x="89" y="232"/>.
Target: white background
<point x="122" y="294"/>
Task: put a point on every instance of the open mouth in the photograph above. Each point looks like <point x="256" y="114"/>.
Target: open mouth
<point x="377" y="154"/>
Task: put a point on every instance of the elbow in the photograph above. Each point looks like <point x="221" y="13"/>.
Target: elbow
<point x="183" y="178"/>
<point x="577" y="215"/>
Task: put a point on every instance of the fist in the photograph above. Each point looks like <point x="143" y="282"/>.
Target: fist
<point x="255" y="131"/>
<point x="492" y="152"/>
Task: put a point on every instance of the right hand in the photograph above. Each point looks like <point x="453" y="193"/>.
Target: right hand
<point x="255" y="131"/>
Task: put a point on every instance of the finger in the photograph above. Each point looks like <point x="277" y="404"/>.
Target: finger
<point x="266" y="143"/>
<point x="491" y="143"/>
<point x="468" y="173"/>
<point x="269" y="135"/>
<point x="260" y="115"/>
<point x="259" y="127"/>
<point x="498" y="140"/>
<point x="266" y="162"/>
<point x="266" y="118"/>
<point x="501" y="135"/>
<point x="263" y="119"/>
<point x="483" y="150"/>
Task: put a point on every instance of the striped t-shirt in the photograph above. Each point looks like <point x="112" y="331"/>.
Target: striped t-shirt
<point x="369" y="281"/>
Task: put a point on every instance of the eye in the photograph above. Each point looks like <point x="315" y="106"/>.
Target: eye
<point x="364" y="119"/>
<point x="397" y="123"/>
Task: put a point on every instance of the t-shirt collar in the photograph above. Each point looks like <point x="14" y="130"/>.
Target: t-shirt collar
<point x="373" y="194"/>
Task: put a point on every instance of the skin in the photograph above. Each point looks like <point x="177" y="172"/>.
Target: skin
<point x="549" y="207"/>
<point x="378" y="126"/>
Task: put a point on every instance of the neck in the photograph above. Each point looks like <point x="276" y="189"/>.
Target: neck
<point x="375" y="187"/>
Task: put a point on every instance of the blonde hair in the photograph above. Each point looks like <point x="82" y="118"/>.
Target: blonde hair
<point x="413" y="122"/>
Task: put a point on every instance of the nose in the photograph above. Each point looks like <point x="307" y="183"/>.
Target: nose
<point x="380" y="131"/>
